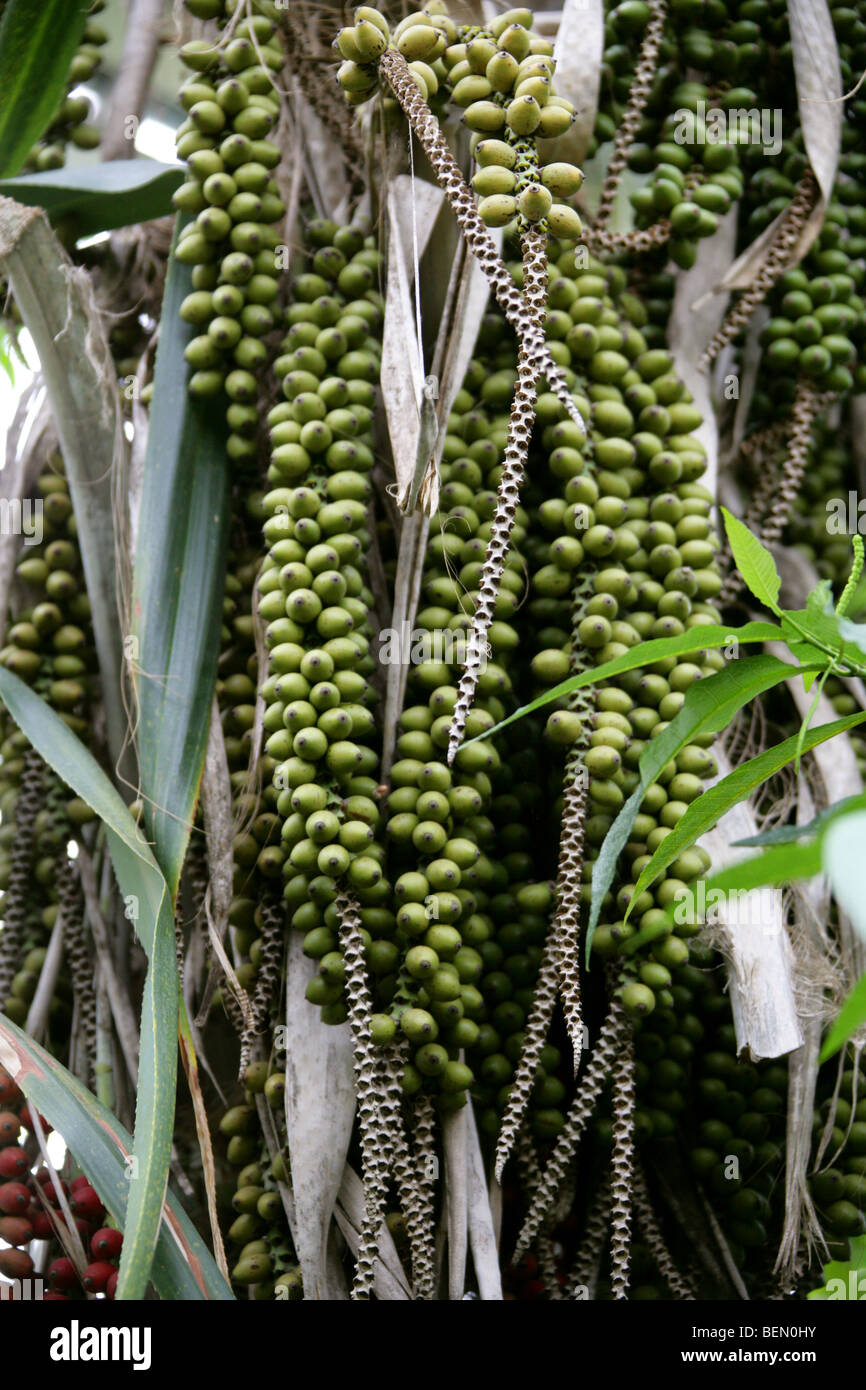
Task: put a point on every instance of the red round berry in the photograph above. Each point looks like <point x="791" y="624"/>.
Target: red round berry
<point x="14" y="1162"/>
<point x="41" y="1223"/>
<point x="61" y="1274"/>
<point x="31" y="1118"/>
<point x="10" y="1124"/>
<point x="53" y="1190"/>
<point x="16" y="1230"/>
<point x="85" y="1203"/>
<point x="77" y="1183"/>
<point x="14" y="1198"/>
<point x="15" y="1264"/>
<point x="97" y="1275"/>
<point x="106" y="1243"/>
<point x="111" y="1285"/>
<point x="9" y="1092"/>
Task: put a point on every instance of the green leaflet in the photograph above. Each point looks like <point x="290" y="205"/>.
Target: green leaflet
<point x="850" y="1018"/>
<point x="178" y="585"/>
<point x="707" y="809"/>
<point x="696" y="639"/>
<point x="754" y="561"/>
<point x="842" y="855"/>
<point x="100" y="197"/>
<point x="38" y="39"/>
<point x="787" y="834"/>
<point x="708" y="707"/>
<point x="845" y="1279"/>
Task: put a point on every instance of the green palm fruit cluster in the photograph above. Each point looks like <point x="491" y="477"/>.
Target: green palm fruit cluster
<point x="68" y="124"/>
<point x="816" y="528"/>
<point x="511" y="956"/>
<point x="501" y="77"/>
<point x="263" y="1261"/>
<point x="818" y="316"/>
<point x="736" y="1125"/>
<point x="230" y="202"/>
<point x="50" y="645"/>
<point x="457" y="841"/>
<point x="48" y="838"/>
<point x="837" y="1180"/>
<point x="253" y="811"/>
<point x="693" y="180"/>
<point x="626" y="513"/>
<point x="313" y="597"/>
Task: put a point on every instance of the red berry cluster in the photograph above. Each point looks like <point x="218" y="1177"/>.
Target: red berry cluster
<point x="30" y="1210"/>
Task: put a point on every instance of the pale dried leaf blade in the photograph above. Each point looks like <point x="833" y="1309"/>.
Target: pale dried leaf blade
<point x="320" y="1109"/>
<point x="389" y="1280"/>
<point x="216" y="799"/>
<point x="819" y="88"/>
<point x="744" y="269"/>
<point x="202" y="1128"/>
<point x="482" y="1228"/>
<point x="689" y="332"/>
<point x="455" y="1138"/>
<point x="760" y="964"/>
<point x="402" y="374"/>
<point x="578" y="52"/>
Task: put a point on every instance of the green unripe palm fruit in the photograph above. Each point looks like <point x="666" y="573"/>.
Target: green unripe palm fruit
<point x="564" y="222"/>
<point x="554" y="120"/>
<point x="492" y="180"/>
<point x="485" y="116"/>
<point x="563" y="180"/>
<point x="497" y="210"/>
<point x="534" y="202"/>
<point x="418" y="42"/>
<point x="638" y="1000"/>
<point x="523" y="115"/>
<point x="495" y="152"/>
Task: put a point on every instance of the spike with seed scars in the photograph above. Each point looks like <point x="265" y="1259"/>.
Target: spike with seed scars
<point x="651" y="1234"/>
<point x="622" y="1167"/>
<point x="614" y="1029"/>
<point x="370" y="1118"/>
<point x="520" y="424"/>
<point x="584" y="1272"/>
<point x="435" y="146"/>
